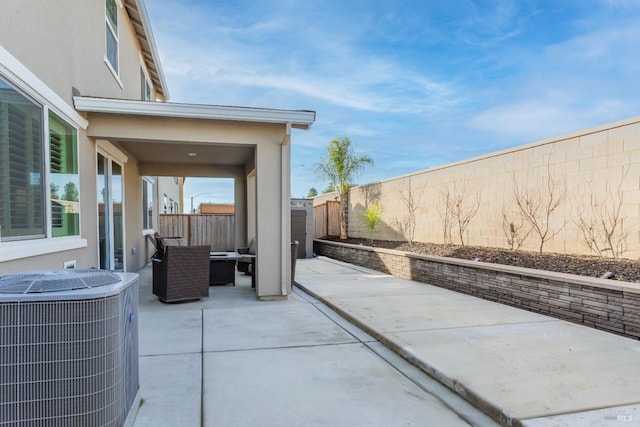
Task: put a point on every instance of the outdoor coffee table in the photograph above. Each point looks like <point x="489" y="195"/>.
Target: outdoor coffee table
<point x="222" y="268"/>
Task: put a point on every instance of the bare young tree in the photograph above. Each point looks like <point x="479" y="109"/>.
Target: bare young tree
<point x="372" y="193"/>
<point x="445" y="215"/>
<point x="462" y="207"/>
<point x="601" y="223"/>
<point x="407" y="225"/>
<point x="537" y="204"/>
<point x="514" y="227"/>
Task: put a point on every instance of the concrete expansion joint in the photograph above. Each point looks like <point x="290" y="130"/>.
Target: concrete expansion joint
<point x="286" y="347"/>
<point x="202" y="401"/>
<point x="197" y="353"/>
<point x="611" y="410"/>
<point x="405" y="331"/>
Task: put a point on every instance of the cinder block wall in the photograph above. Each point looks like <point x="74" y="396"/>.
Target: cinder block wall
<point x="598" y="167"/>
<point x="602" y="304"/>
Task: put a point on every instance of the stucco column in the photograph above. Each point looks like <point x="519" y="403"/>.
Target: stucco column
<point x="251" y="205"/>
<point x="269" y="221"/>
<point x="241" y="206"/>
<point x="285" y="201"/>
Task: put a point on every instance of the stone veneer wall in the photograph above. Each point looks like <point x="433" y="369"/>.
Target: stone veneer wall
<point x="602" y="304"/>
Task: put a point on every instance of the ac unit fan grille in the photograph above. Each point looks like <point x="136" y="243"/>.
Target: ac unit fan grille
<point x="55" y="281"/>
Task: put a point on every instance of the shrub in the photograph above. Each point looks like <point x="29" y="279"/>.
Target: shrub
<point x="372" y="216"/>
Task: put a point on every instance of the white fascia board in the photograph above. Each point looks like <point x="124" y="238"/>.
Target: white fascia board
<point x="144" y="17"/>
<point x="297" y="118"/>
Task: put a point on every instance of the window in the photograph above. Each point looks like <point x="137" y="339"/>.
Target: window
<point x="22" y="198"/>
<point x="164" y="201"/>
<point x="147" y="203"/>
<point x="23" y="172"/>
<point x="112" y="33"/>
<point x="145" y="87"/>
<point x="64" y="178"/>
<point x="110" y="191"/>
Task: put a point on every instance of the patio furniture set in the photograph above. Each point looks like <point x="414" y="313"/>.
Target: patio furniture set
<point x="184" y="273"/>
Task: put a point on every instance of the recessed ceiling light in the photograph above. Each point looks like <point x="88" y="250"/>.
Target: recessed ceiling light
<point x="192" y="154"/>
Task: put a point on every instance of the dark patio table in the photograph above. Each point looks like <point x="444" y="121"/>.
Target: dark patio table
<point x="222" y="268"/>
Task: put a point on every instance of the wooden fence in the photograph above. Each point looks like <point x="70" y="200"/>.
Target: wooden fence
<point x="215" y="230"/>
<point x="326" y="218"/>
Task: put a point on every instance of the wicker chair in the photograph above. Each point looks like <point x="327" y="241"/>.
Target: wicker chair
<point x="182" y="274"/>
<point x="244" y="263"/>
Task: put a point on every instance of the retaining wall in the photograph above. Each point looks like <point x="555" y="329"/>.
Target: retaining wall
<point x="610" y="305"/>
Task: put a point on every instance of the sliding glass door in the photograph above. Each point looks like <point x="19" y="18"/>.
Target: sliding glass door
<point x="110" y="214"/>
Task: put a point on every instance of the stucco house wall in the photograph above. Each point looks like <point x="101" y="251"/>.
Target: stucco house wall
<point x="63" y="47"/>
<point x="171" y="186"/>
<point x="63" y="43"/>
<point x="597" y="167"/>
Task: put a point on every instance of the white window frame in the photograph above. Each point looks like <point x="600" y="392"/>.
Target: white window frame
<point x="114" y="155"/>
<point x="19" y="76"/>
<point x="146" y="83"/>
<point x="151" y="180"/>
<point x="48" y="178"/>
<point x="115" y="71"/>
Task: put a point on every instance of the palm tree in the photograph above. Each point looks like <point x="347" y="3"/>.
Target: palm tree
<point x="340" y="166"/>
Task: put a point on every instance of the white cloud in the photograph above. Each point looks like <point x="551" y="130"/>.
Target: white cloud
<point x="372" y="84"/>
<point x="324" y="66"/>
<point x="625" y="4"/>
<point x="584" y="81"/>
<point x="488" y="24"/>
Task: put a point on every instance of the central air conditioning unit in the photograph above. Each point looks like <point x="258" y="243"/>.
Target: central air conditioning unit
<point x="68" y="348"/>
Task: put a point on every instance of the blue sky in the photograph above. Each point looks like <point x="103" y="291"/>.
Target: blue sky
<point x="414" y="84"/>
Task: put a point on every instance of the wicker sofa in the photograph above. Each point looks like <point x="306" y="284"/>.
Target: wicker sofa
<point x="180" y="273"/>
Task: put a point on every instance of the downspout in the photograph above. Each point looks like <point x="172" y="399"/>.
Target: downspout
<point x="285" y="180"/>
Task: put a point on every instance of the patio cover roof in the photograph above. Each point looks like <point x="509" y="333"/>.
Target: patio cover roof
<point x="299" y="119"/>
<point x="175" y="148"/>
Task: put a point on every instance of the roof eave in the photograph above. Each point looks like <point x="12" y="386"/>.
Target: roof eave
<point x="299" y="119"/>
<point x="147" y="41"/>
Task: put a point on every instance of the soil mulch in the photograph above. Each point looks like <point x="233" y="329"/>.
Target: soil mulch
<point x="622" y="269"/>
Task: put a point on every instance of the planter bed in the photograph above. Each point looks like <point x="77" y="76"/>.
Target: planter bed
<point x="613" y="306"/>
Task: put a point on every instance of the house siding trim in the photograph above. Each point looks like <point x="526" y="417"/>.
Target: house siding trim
<point x="10" y="251"/>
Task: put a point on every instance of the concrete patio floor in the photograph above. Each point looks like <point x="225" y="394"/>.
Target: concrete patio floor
<point x="231" y="360"/>
<point x="520" y="367"/>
